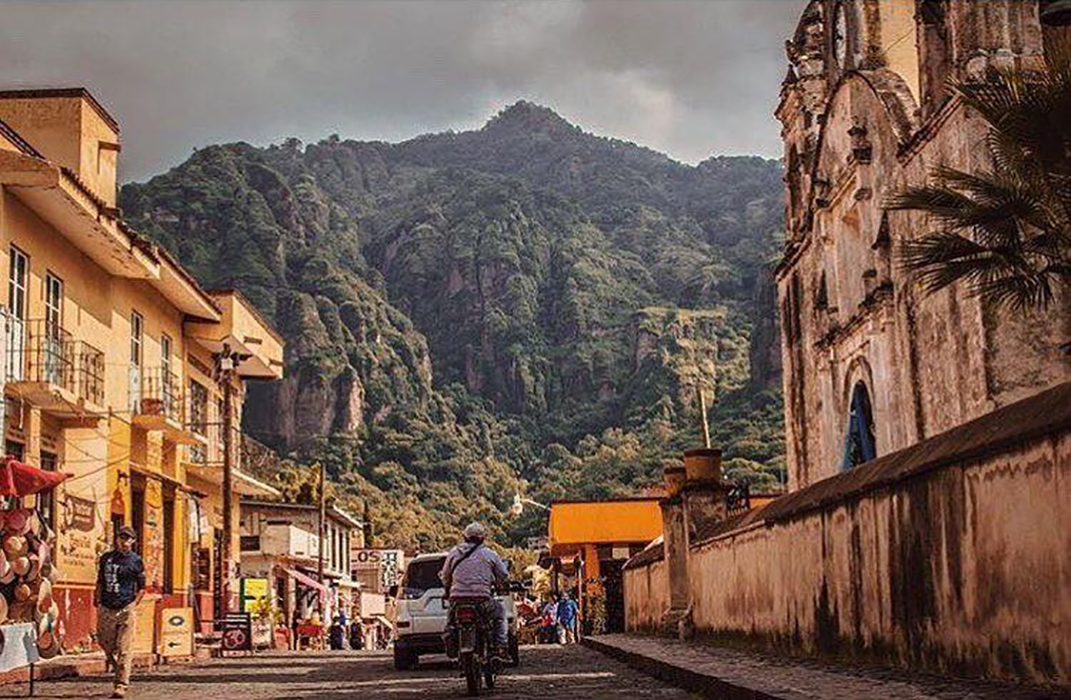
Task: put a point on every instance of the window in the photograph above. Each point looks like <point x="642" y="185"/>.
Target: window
<point x="137" y="329"/>
<point x="198" y="419"/>
<point x="55" y="355"/>
<point x="859" y="446"/>
<point x="16" y="298"/>
<point x="16" y="283"/>
<point x="167" y="387"/>
<point x="53" y="305"/>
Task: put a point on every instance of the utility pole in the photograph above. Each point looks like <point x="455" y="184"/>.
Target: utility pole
<point x="323" y="523"/>
<point x="226" y="366"/>
<point x="703" y="417"/>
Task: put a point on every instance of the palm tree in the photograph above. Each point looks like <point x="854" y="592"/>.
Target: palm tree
<point x="1005" y="231"/>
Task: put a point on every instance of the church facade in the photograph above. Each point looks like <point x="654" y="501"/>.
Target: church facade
<point x="872" y="364"/>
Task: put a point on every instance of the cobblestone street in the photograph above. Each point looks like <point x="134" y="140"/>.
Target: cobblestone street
<point x="546" y="672"/>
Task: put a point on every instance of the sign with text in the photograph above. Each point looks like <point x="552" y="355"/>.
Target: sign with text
<point x="378" y="569"/>
<point x="253" y="589"/>
<point x="237" y="632"/>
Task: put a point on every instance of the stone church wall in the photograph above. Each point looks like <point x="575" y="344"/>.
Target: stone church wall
<point x="948" y="556"/>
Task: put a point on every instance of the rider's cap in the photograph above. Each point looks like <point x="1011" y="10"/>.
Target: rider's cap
<point x="475" y="531"/>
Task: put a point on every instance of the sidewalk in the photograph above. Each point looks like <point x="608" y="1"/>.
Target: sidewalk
<point x="79" y="665"/>
<point x="722" y="673"/>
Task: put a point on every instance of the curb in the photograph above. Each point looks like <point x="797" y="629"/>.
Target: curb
<point x="679" y="676"/>
<point x="79" y="668"/>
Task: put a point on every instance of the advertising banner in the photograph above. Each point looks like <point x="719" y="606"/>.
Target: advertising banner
<point x="378" y="569"/>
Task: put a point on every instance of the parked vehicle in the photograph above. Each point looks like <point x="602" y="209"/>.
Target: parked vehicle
<point x="420" y="616"/>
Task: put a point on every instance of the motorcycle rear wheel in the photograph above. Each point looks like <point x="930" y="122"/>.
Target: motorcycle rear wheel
<point x="472" y="673"/>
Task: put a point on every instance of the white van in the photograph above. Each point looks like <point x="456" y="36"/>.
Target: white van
<point x="420" y="616"/>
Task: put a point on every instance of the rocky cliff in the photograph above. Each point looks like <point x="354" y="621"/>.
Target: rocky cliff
<point x="505" y="290"/>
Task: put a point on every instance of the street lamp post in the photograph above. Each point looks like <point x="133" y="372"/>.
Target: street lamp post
<point x="519" y="502"/>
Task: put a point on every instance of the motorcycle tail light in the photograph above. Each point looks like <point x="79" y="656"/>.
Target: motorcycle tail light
<point x="466" y="615"/>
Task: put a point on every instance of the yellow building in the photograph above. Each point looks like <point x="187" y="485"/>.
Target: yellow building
<point x="113" y="362"/>
<point x="590" y="541"/>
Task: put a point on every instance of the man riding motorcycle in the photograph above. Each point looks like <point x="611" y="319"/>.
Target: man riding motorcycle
<point x="471" y="570"/>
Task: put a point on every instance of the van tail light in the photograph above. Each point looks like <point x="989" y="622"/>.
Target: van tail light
<point x="401" y="623"/>
<point x="466" y="615"/>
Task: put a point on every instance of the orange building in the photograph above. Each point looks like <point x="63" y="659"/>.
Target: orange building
<point x="589" y="543"/>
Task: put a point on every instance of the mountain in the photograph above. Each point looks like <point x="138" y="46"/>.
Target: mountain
<point x="523" y="306"/>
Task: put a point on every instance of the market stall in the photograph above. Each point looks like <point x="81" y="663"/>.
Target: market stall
<point x="29" y="616"/>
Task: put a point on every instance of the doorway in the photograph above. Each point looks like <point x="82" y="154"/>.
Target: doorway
<point x="137" y="510"/>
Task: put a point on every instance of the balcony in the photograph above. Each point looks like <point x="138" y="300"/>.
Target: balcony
<point x="157" y="403"/>
<point x="49" y="368"/>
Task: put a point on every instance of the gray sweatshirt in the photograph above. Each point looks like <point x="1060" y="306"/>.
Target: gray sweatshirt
<point x="476" y="575"/>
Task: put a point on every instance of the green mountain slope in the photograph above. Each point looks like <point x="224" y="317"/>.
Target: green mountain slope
<point x="525" y="306"/>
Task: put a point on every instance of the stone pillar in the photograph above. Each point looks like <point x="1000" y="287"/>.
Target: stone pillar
<point x="696" y="497"/>
<point x="675" y="544"/>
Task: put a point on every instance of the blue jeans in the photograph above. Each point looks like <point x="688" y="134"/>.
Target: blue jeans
<point x="494" y="609"/>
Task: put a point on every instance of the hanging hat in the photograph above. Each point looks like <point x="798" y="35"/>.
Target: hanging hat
<point x="21" y="565"/>
<point x="35" y="567"/>
<point x="17" y="521"/>
<point x="44" y="553"/>
<point x="14" y="546"/>
<point x="33" y="523"/>
<point x="52" y="645"/>
<point x="23" y="593"/>
<point x="44" y="596"/>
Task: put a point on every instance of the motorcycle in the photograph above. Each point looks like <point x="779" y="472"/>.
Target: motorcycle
<point x="470" y="641"/>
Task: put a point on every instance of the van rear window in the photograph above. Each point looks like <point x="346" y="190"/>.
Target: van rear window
<point x="423" y="575"/>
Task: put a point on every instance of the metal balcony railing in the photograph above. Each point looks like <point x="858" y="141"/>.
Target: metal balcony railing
<point x="41" y="352"/>
<point x="210" y="453"/>
<point x="158" y="392"/>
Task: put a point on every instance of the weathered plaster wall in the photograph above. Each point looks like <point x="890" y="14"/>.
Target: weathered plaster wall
<point x="646" y="597"/>
<point x="963" y="569"/>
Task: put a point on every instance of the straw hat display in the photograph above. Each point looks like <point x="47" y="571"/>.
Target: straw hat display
<point x="27" y="575"/>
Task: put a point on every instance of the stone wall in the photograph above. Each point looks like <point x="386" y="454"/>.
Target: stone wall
<point x="952" y="556"/>
<point x="646" y="597"/>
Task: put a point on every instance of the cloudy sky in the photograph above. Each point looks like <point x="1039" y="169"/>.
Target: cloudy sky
<point x="689" y="78"/>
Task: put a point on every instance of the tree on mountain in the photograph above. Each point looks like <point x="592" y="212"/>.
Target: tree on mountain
<point x="1005" y="230"/>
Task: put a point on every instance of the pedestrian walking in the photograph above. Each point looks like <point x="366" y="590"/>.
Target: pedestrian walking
<point x="567" y="618"/>
<point x="120" y="587"/>
<point x="550" y="620"/>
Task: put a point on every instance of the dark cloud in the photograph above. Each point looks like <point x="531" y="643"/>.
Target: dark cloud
<point x="690" y="78"/>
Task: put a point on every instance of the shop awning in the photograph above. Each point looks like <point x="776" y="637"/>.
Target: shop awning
<point x="306" y="580"/>
<point x="18" y="479"/>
